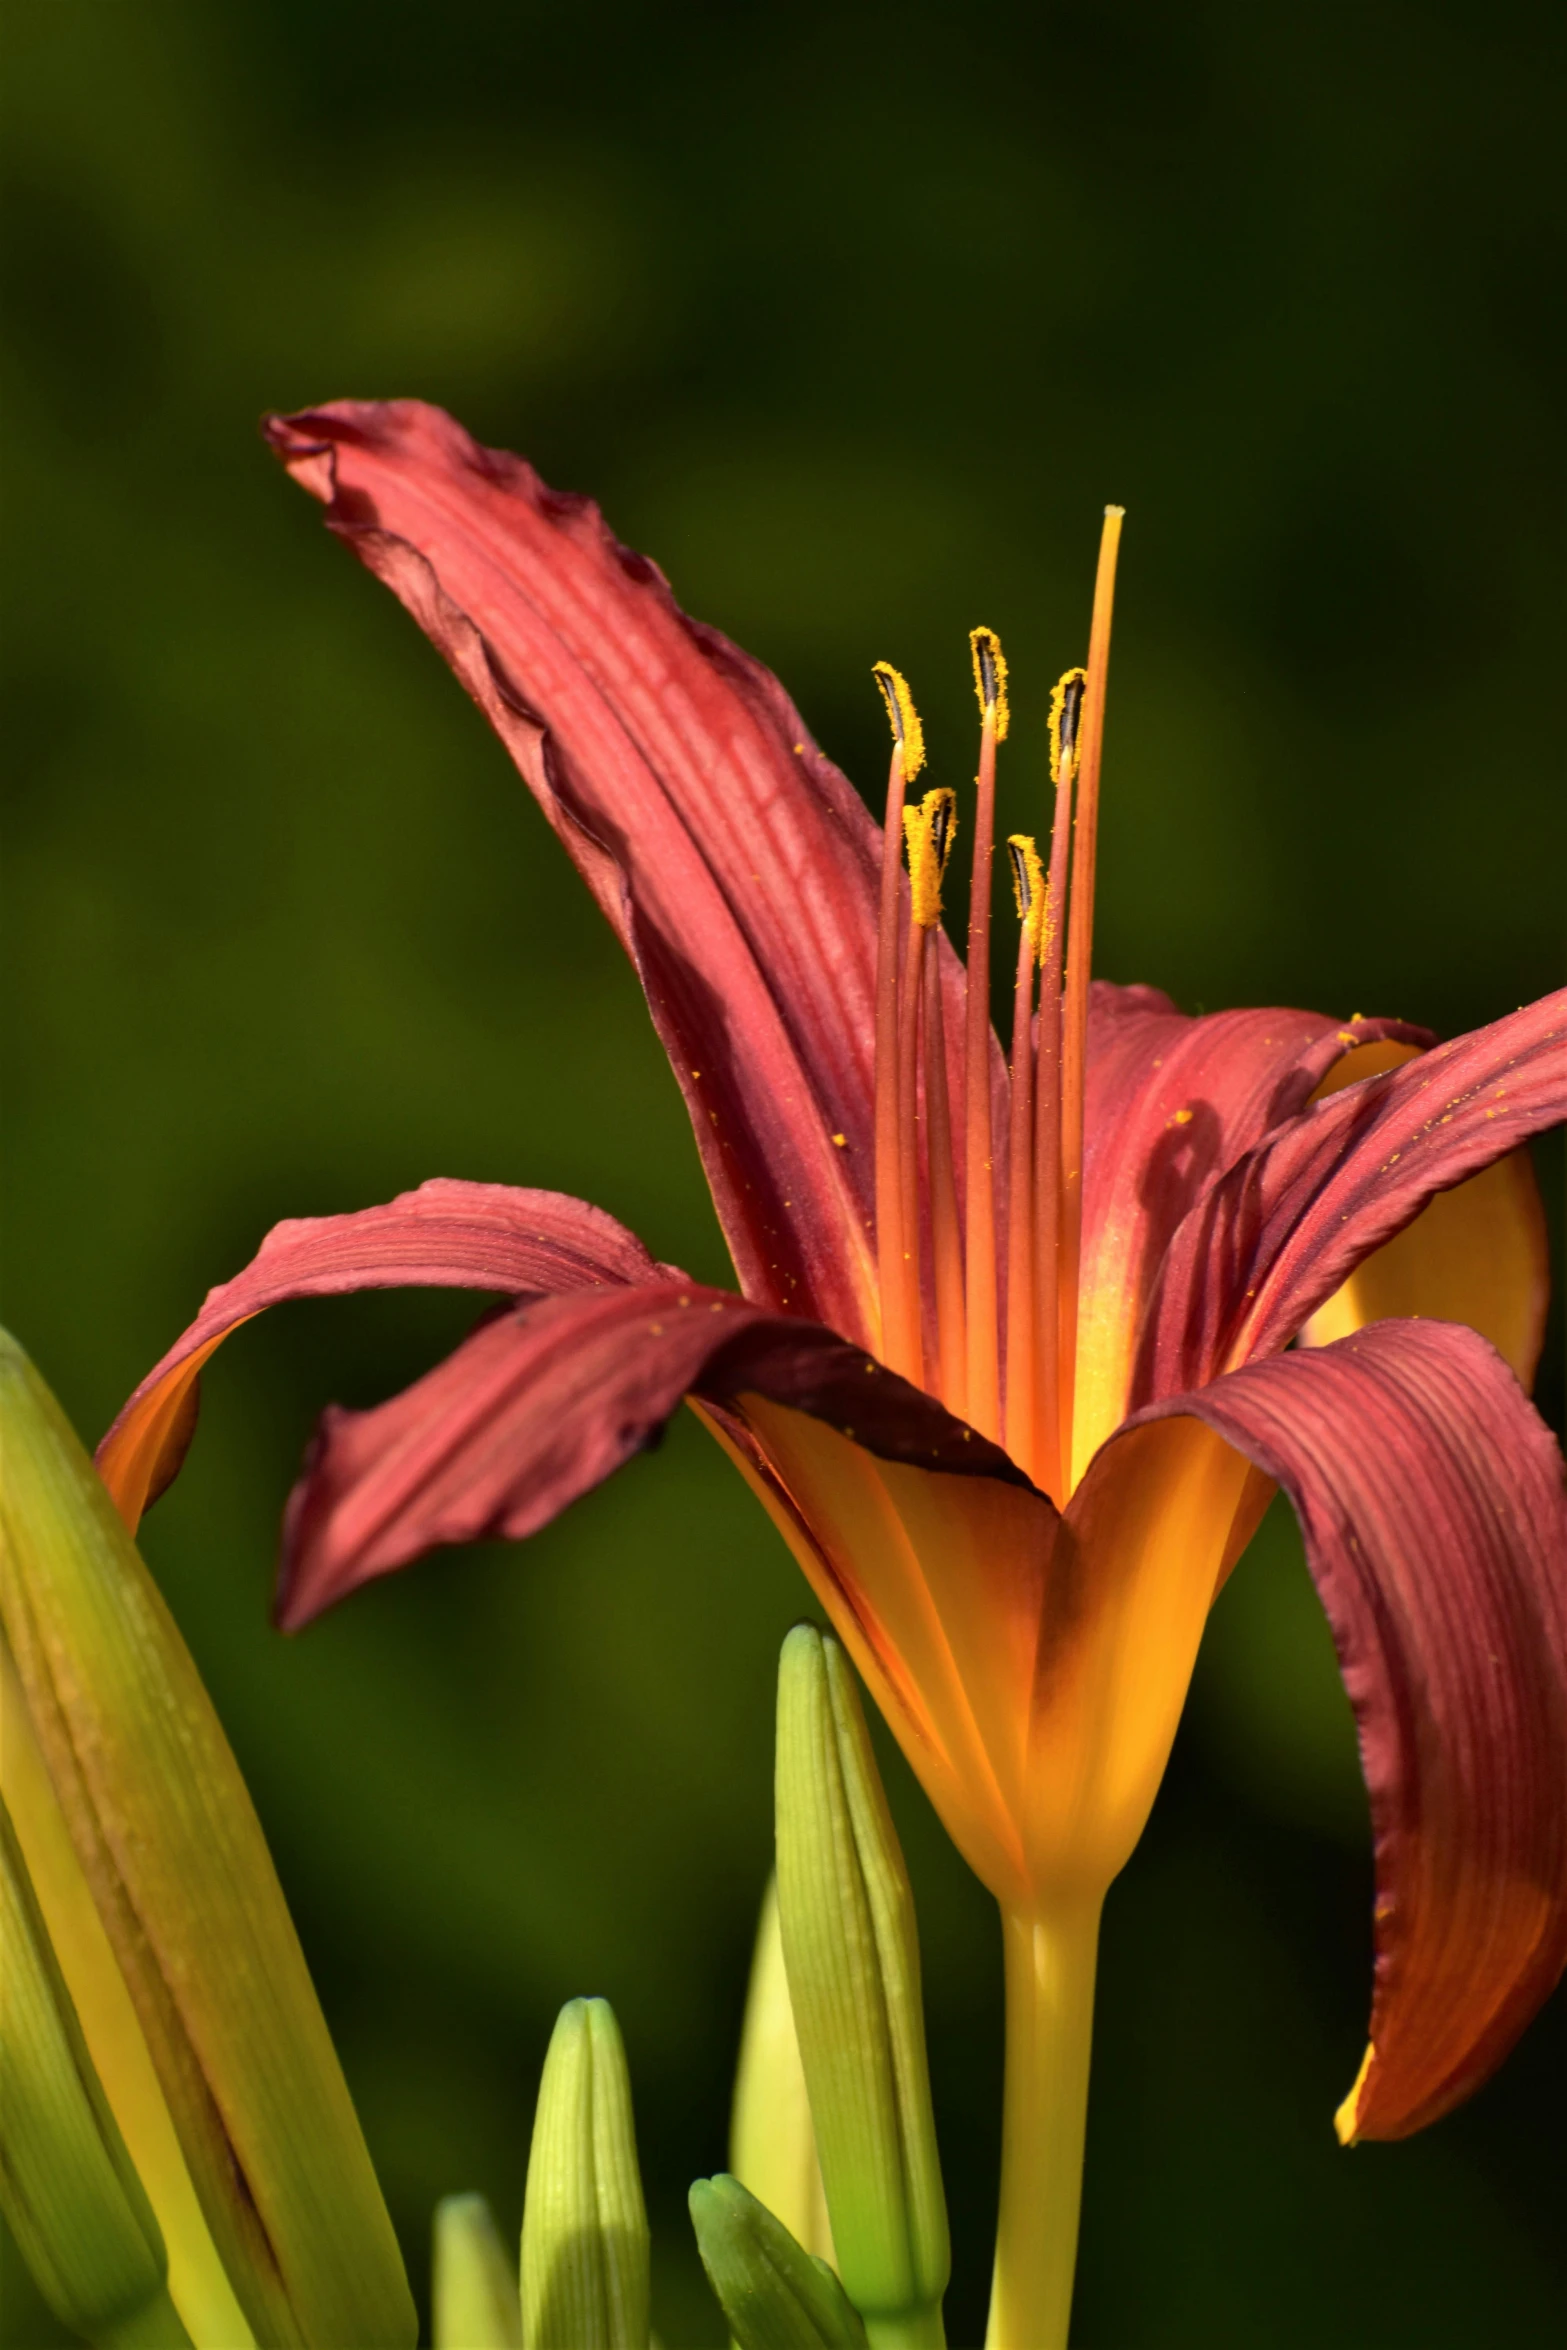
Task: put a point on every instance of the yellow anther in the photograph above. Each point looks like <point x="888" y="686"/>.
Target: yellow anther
<point x="1066" y="709"/>
<point x="1030" y="890"/>
<point x="907" y="731"/>
<point x="990" y="678"/>
<point x="928" y="831"/>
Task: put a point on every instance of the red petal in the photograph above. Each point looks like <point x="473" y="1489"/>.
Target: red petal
<point x="446" y="1235"/>
<point x="1279" y="1233"/>
<point x="736" y="864"/>
<point x="1431" y="1497"/>
<point x="1172" y="1102"/>
<point x="537" y="1406"/>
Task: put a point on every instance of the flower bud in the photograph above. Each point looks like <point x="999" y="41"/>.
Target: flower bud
<point x="584" y="2225"/>
<point x="775" y="2295"/>
<point x="847" y="1916"/>
<point x="772" y="2146"/>
<point x="475" y="2286"/>
<point x="176" y="1905"/>
<point x="68" y="2187"/>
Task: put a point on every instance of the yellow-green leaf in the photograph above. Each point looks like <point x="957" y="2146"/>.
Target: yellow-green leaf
<point x="181" y="1880"/>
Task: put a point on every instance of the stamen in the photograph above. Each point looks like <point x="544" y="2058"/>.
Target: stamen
<point x="946" y="1237"/>
<point x="929" y="831"/>
<point x="907" y="733"/>
<point x="899" y="1331"/>
<point x="990" y="678"/>
<point x="1028" y="887"/>
<point x="984" y="1403"/>
<point x="1080" y="954"/>
<point x="1066" y="709"/>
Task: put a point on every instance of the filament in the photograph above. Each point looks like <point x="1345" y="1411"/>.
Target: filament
<point x="899" y="1331"/>
<point x="1029" y="888"/>
<point x="984" y="1401"/>
<point x="946" y="1239"/>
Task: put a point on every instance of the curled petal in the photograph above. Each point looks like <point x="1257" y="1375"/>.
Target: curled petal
<point x="1172" y="1103"/>
<point x="544" y="1402"/>
<point x="1477" y="1254"/>
<point x="1272" y="1240"/>
<point x="1432" y="1502"/>
<point x="735" y="863"/>
<point x="446" y="1235"/>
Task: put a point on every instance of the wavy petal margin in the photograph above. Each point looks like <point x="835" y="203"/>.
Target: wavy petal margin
<point x="1273" y="1239"/>
<point x="1432" y="1500"/>
<point x="446" y="1235"/>
<point x="1477" y="1254"/>
<point x="734" y="861"/>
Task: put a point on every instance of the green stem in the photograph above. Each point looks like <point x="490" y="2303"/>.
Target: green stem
<point x="1050" y="2011"/>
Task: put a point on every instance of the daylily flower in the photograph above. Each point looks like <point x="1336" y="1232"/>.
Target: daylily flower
<point x="1012" y="1363"/>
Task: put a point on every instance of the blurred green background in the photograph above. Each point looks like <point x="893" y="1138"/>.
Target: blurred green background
<point x="854" y="316"/>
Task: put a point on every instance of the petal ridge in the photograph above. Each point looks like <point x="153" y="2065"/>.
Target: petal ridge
<point x="735" y="862"/>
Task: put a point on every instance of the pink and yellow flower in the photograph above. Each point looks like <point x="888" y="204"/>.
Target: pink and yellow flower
<point x="1023" y="1342"/>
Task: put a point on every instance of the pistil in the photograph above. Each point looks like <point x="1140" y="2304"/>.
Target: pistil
<point x="984" y="1401"/>
<point x="1080" y="951"/>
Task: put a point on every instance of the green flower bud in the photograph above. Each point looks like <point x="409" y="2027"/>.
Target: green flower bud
<point x="68" y="2188"/>
<point x="475" y="2285"/>
<point x="122" y="1750"/>
<point x="847" y="1915"/>
<point x="775" y="2295"/>
<point x="772" y="2146"/>
<point x="584" y="2225"/>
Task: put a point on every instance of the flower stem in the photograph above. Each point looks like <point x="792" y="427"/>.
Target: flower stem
<point x="1050" y="2008"/>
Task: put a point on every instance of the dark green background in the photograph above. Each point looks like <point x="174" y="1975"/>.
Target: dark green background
<point x="855" y="317"/>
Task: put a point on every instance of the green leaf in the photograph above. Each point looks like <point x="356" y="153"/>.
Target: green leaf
<point x="184" y="1889"/>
